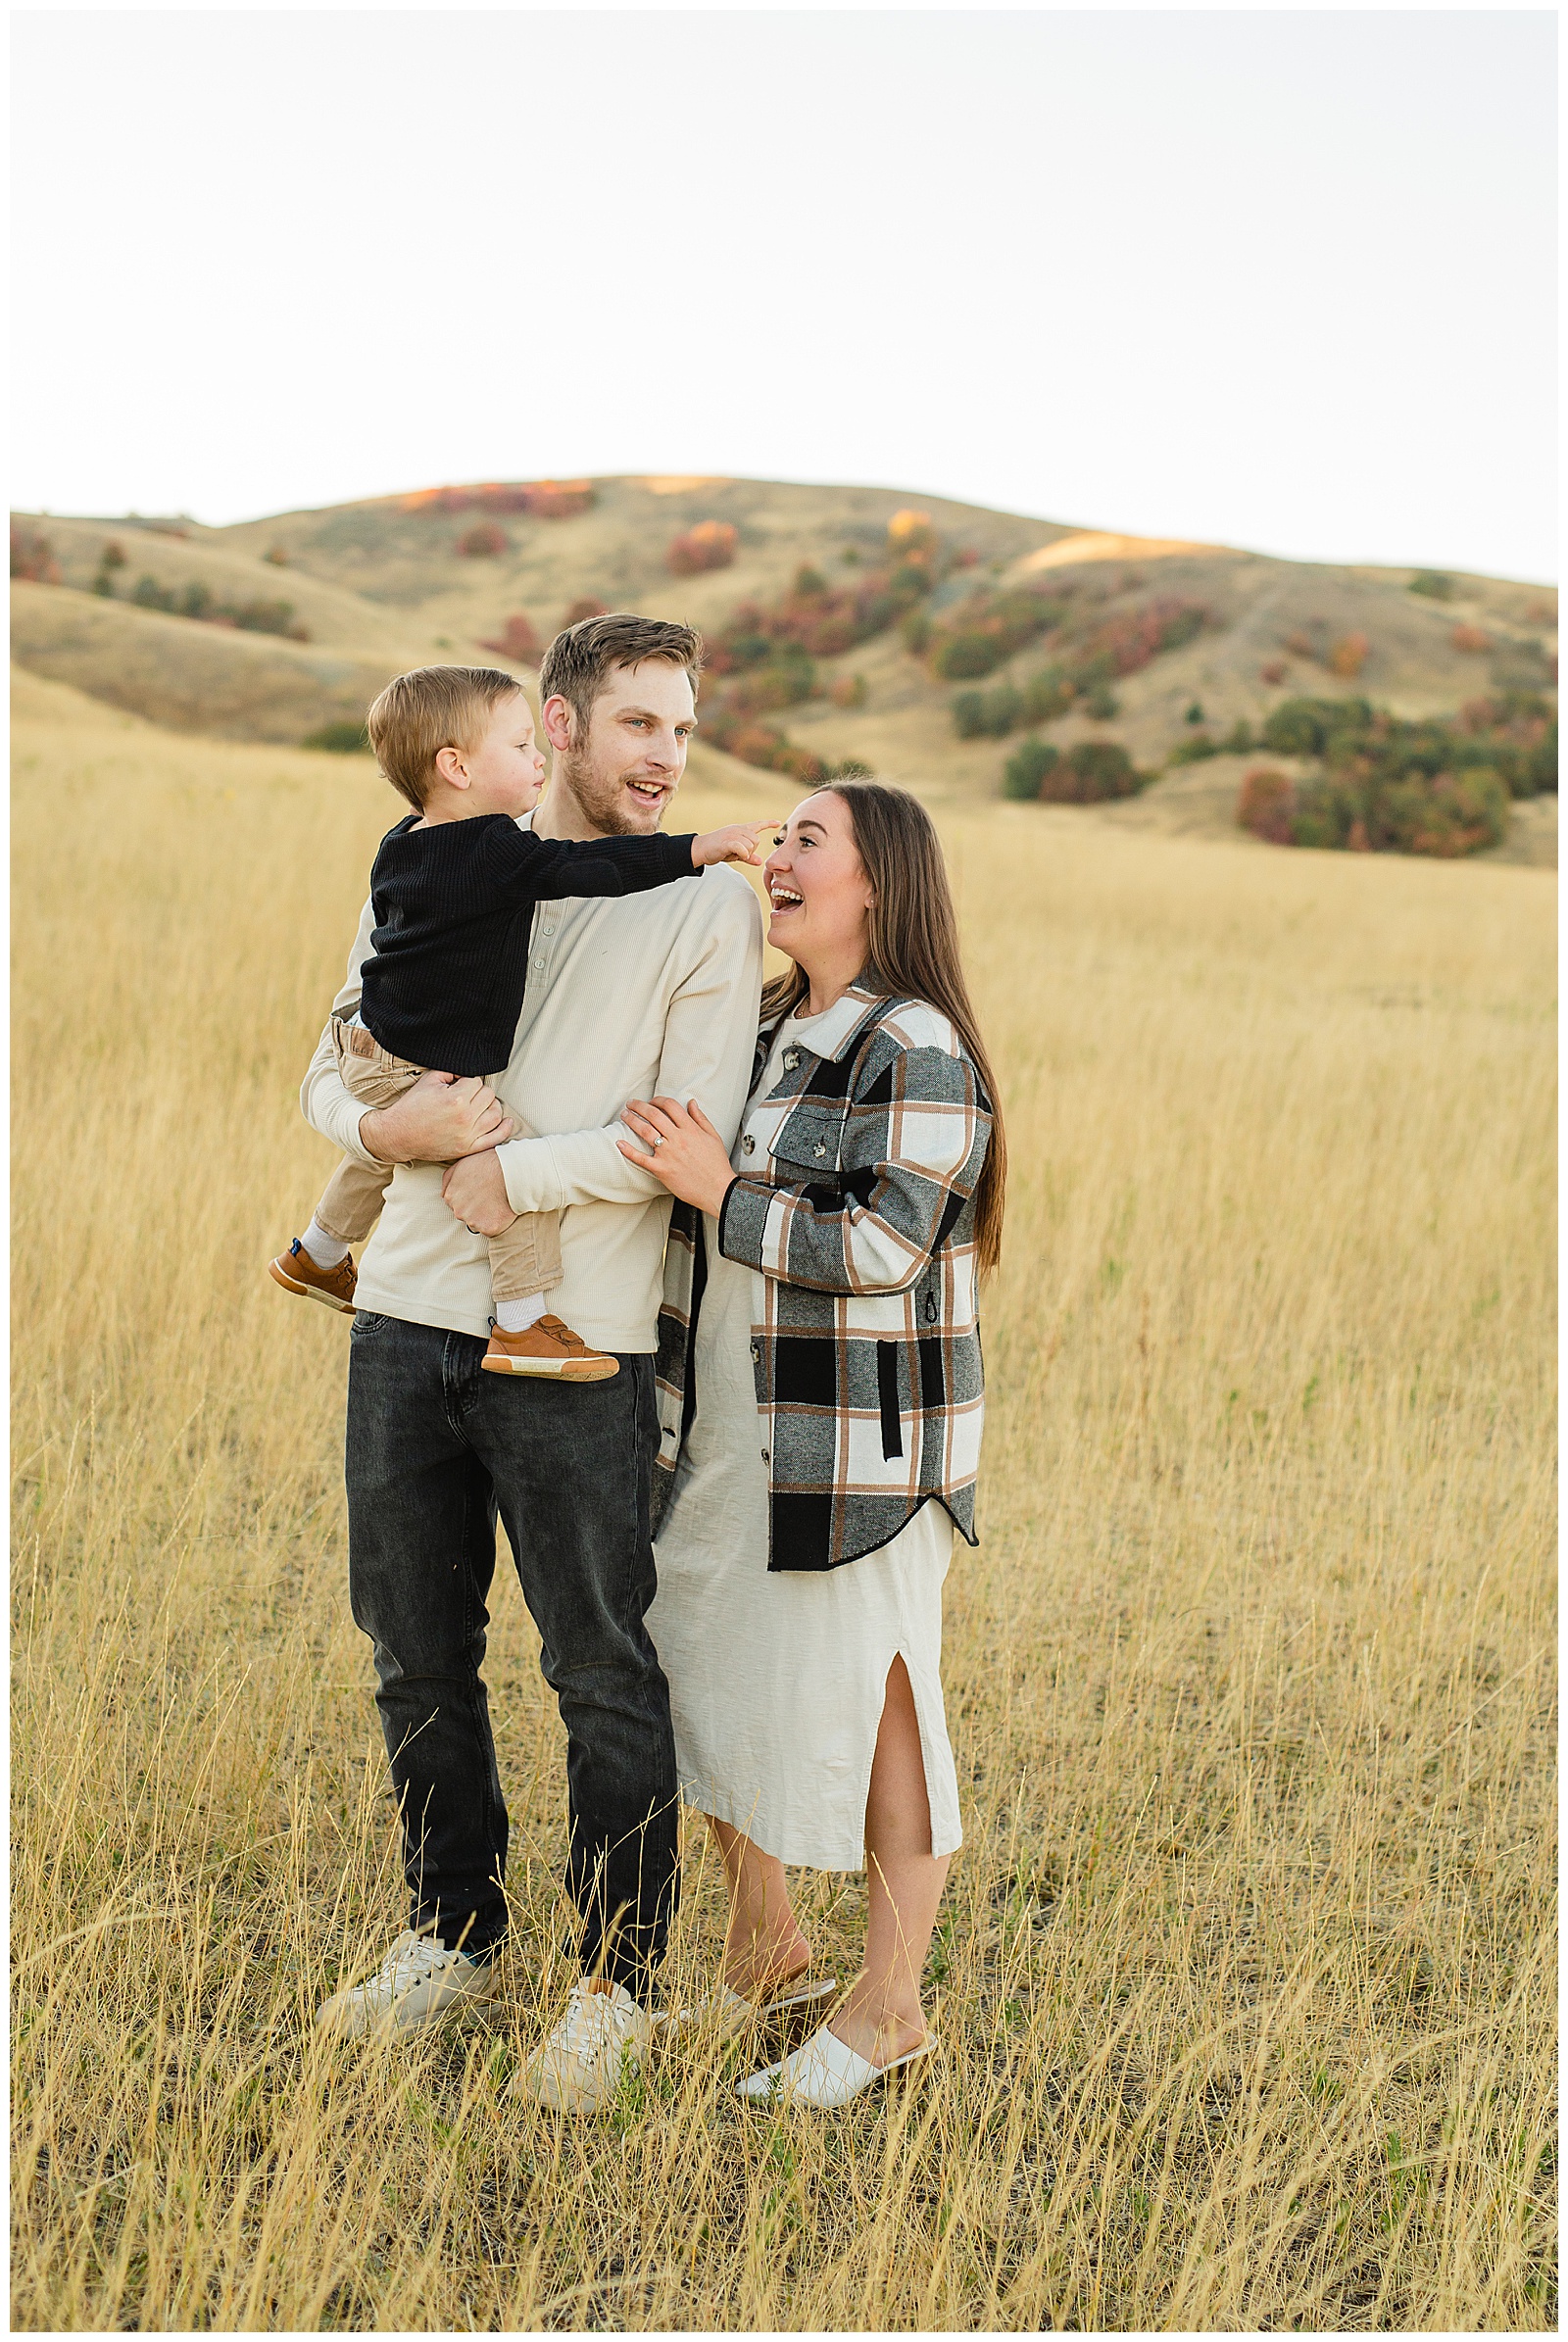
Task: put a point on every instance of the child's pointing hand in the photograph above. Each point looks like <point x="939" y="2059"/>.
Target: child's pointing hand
<point x="736" y="844"/>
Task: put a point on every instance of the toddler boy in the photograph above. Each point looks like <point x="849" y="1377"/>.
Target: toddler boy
<point x="453" y="889"/>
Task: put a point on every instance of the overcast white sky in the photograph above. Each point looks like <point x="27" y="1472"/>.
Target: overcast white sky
<point x="1279" y="279"/>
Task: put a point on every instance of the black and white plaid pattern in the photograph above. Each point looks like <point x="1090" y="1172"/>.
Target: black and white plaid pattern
<point x="860" y="1217"/>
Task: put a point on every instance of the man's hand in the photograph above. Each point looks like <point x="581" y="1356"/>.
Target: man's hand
<point x="737" y="843"/>
<point x="441" y="1118"/>
<point x="477" y="1191"/>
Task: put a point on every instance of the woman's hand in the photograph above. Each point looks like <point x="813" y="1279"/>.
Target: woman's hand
<point x="477" y="1191"/>
<point x="439" y="1119"/>
<point x="682" y="1149"/>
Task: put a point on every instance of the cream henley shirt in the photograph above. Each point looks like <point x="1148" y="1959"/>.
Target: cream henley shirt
<point x="653" y="994"/>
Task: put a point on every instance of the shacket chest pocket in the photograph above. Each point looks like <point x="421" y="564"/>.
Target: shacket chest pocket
<point x="809" y="1141"/>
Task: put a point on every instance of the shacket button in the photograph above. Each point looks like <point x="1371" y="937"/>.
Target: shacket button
<point x="757" y="1355"/>
<point x="765" y="1456"/>
<point x="538" y="964"/>
<point x="819" y="1150"/>
<point x="550" y="931"/>
<point x="747" y="1144"/>
<point x="792" y="1058"/>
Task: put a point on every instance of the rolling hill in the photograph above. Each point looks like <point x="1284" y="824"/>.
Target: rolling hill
<point x="844" y="625"/>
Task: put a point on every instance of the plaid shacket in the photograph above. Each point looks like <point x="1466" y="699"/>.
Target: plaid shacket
<point x="861" y="1218"/>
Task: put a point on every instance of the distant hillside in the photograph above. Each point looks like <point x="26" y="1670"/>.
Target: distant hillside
<point x="914" y="637"/>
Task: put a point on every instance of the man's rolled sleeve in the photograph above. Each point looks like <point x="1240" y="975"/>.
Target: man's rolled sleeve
<point x="573" y="1167"/>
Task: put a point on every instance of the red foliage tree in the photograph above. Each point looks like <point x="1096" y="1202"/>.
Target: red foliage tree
<point x="541" y="499"/>
<point x="483" y="542"/>
<point x="585" y="608"/>
<point x="33" y="558"/>
<point x="1266" y="805"/>
<point x="518" y="639"/>
<point x="711" y="545"/>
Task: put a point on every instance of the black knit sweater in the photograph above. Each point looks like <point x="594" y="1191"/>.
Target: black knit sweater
<point x="454" y="904"/>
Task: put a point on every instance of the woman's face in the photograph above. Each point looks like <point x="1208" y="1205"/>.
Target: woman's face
<point x="820" y="895"/>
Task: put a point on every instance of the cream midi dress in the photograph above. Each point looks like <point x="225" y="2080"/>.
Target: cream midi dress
<point x="777" y="1677"/>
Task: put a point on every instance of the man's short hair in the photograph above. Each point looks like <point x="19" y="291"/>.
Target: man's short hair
<point x="430" y="708"/>
<point x="578" y="662"/>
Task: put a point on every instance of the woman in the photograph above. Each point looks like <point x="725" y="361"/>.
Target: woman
<point x="821" y="1394"/>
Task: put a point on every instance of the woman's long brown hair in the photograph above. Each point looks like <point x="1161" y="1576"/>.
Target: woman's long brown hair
<point x="915" y="955"/>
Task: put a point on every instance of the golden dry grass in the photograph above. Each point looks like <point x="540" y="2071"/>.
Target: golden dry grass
<point x="1245" y="1978"/>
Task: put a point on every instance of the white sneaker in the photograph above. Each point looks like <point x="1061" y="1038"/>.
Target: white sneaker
<point x="419" y="1982"/>
<point x="602" y="2036"/>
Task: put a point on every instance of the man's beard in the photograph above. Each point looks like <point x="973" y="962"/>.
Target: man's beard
<point x="602" y="800"/>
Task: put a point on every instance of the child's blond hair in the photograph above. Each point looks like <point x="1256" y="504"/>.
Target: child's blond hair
<point x="428" y="710"/>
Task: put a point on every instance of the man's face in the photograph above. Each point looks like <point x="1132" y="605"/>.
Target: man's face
<point x="626" y="765"/>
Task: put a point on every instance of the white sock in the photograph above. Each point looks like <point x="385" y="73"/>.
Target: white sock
<point x="325" y="1251"/>
<point x="515" y="1317"/>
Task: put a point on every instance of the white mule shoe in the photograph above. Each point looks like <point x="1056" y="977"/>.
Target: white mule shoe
<point x="730" y="2012"/>
<point x="824" y="2071"/>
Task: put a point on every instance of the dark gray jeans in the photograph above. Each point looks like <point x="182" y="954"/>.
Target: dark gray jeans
<point x="434" y="1449"/>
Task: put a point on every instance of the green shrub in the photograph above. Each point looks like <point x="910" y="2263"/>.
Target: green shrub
<point x="914" y="631"/>
<point x="1435" y="584"/>
<point x="1303" y="727"/>
<point x="1238" y="741"/>
<point x="196" y="601"/>
<point x="992" y="714"/>
<point x="1357" y="810"/>
<point x="340" y="740"/>
<point x="1089" y="773"/>
<point x="1191" y="751"/>
<point x="1027" y="767"/>
<point x="259" y="617"/>
<point x="851" y="769"/>
<point x="1048" y="695"/>
<point x="963" y="655"/>
<point x="1195" y="713"/>
<point x="1101" y="704"/>
<point x="1439" y="785"/>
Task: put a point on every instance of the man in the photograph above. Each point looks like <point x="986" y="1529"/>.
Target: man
<point x="625" y="997"/>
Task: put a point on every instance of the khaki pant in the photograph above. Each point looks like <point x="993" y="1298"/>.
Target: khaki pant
<point x="525" y="1258"/>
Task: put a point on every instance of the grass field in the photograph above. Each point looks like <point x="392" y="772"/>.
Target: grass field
<point x="1246" y="1977"/>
